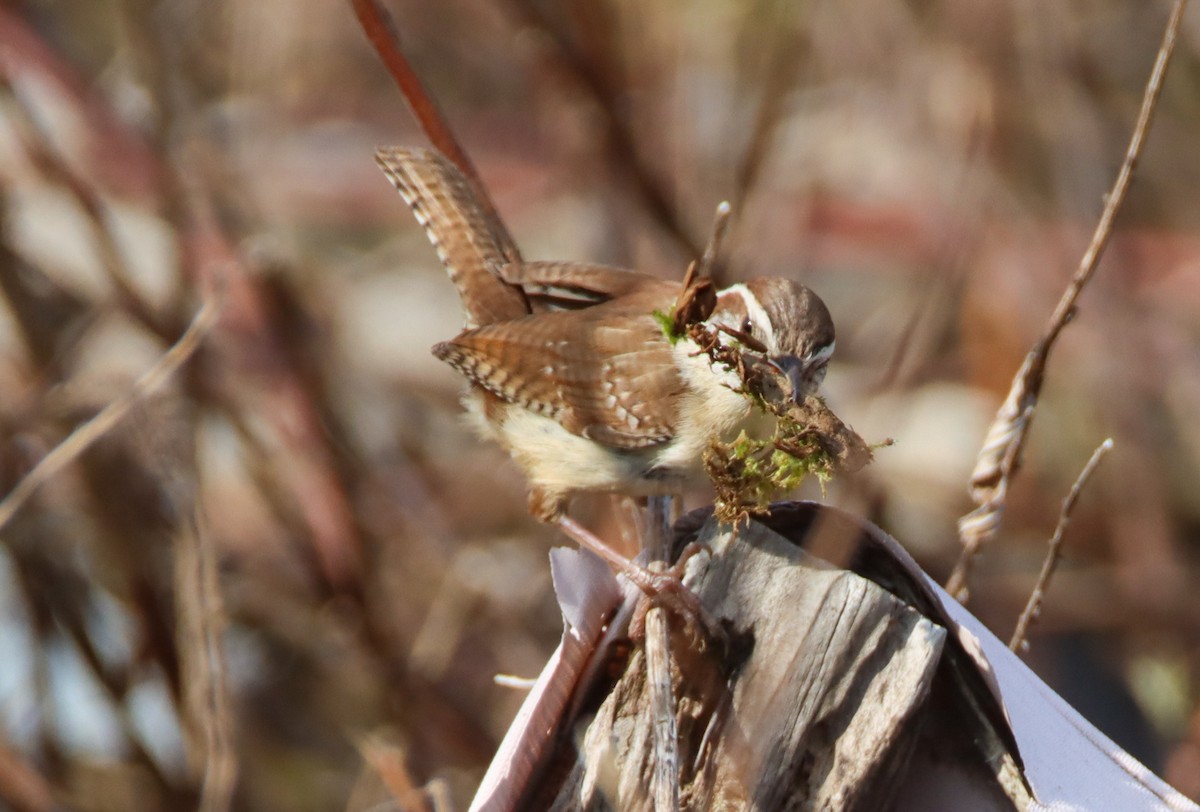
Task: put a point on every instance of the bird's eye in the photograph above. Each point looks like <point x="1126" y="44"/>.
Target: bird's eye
<point x="747" y="326"/>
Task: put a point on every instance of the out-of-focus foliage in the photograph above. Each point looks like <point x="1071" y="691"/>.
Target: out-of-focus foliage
<point x="933" y="169"/>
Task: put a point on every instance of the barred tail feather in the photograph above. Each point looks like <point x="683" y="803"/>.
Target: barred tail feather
<point x="469" y="240"/>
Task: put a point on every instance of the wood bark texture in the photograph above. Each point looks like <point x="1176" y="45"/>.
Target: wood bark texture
<point x="810" y="701"/>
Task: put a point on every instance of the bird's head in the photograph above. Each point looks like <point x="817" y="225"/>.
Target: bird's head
<point x="788" y="320"/>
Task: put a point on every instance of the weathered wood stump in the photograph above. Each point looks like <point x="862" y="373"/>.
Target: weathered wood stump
<point x="833" y="675"/>
<point x="810" y="699"/>
<point x="830" y="682"/>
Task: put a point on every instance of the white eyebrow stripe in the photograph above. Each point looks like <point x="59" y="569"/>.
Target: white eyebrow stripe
<point x="756" y="312"/>
<point x="822" y="355"/>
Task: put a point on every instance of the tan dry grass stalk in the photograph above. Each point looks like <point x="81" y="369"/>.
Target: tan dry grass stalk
<point x="1000" y="456"/>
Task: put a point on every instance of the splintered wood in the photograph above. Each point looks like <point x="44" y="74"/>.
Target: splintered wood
<point x="807" y="705"/>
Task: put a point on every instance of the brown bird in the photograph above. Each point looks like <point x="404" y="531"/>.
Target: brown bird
<point x="571" y="368"/>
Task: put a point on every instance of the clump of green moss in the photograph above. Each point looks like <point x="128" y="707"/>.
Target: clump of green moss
<point x="667" y="322"/>
<point x="695" y="303"/>
<point x="749" y="473"/>
<point x="809" y="439"/>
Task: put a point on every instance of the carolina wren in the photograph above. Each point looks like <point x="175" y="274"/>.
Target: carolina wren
<point x="571" y="370"/>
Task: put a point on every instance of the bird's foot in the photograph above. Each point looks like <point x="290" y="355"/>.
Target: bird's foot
<point x="662" y="587"/>
<point x="665" y="588"/>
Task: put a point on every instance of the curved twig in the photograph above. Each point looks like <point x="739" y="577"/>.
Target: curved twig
<point x="999" y="458"/>
<point x="1053" y="552"/>
<point x="381" y="30"/>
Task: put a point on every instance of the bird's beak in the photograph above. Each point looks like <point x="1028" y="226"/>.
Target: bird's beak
<point x="796" y="371"/>
<point x="804" y="374"/>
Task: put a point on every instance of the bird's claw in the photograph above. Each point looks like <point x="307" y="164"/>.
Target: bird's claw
<point x="665" y="588"/>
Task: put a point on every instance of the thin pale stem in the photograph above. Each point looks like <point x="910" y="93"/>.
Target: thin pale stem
<point x="1054" y="551"/>
<point x="1000" y="457"/>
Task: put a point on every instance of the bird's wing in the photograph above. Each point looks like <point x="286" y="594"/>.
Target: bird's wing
<point x="607" y="376"/>
<point x="468" y="237"/>
<point x="576" y="285"/>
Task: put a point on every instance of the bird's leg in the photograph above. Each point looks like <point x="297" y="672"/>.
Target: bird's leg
<point x="652" y="583"/>
<point x="664" y="586"/>
<point x="551" y="507"/>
